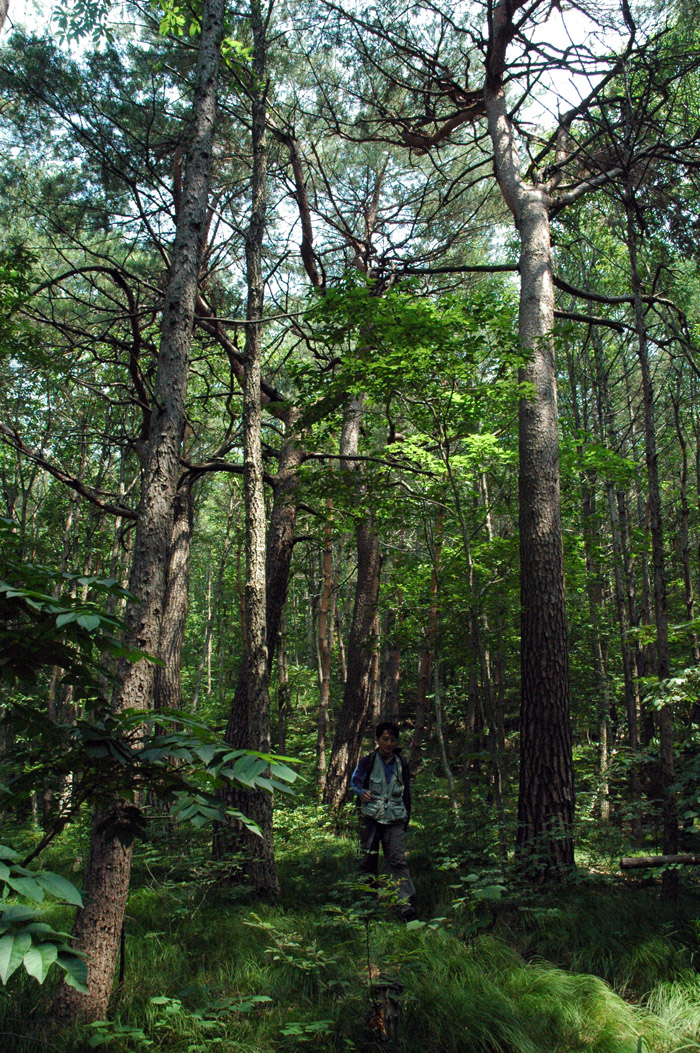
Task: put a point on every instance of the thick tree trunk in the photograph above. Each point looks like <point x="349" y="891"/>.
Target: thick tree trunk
<point x="546" y="793"/>
<point x="167" y="692"/>
<point x="107" y="874"/>
<point x="352" y="721"/>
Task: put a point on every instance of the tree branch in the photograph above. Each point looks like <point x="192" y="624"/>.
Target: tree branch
<point x="13" y="439"/>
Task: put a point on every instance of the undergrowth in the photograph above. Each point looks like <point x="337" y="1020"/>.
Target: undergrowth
<point x="492" y="967"/>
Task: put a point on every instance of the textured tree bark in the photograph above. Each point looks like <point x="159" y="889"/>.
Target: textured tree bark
<point x="249" y="723"/>
<point x="352" y="720"/>
<point x="107" y="875"/>
<point x="167" y="693"/>
<point x="546" y="791"/>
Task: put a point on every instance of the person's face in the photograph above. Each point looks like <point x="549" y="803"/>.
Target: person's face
<point x="387" y="743"/>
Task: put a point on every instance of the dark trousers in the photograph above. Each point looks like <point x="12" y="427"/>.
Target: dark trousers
<point x="391" y="837"/>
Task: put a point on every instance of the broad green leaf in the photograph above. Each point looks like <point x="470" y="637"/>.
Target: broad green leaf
<point x="206" y="753"/>
<point x="8" y="853"/>
<point x="41" y="928"/>
<point x="75" y="970"/>
<point x="89" y="621"/>
<point x="39" y="959"/>
<point x="26" y="886"/>
<point x="15" y="914"/>
<point x="60" y="887"/>
<point x="13" y="948"/>
<point x="283" y="771"/>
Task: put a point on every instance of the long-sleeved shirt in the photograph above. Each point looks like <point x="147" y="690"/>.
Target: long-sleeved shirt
<point x="361" y="774"/>
<point x="358" y="776"/>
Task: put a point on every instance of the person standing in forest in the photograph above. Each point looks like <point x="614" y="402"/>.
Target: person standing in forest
<point x="382" y="782"/>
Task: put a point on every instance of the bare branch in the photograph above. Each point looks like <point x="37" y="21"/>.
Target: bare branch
<point x="12" y="437"/>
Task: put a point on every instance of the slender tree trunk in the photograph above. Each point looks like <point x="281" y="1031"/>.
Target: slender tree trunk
<point x="593" y="594"/>
<point x="98" y="925"/>
<point x="684" y="541"/>
<point x="284" y="694"/>
<point x="375" y="675"/>
<point x="249" y="723"/>
<point x="337" y="620"/>
<point x="59" y="696"/>
<point x="428" y="648"/>
<point x="280" y="534"/>
<point x="392" y="661"/>
<point x="352" y="720"/>
<point x="213" y="601"/>
<point x="546" y="794"/>
<point x="479" y="633"/>
<point x="324" y="643"/>
<point x="663" y="669"/>
<point x="437" y="697"/>
<point x="606" y="423"/>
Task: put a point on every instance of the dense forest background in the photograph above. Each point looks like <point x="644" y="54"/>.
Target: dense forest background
<point x="350" y="367"/>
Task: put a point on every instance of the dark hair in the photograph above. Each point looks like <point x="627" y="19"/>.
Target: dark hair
<point x="387" y="725"/>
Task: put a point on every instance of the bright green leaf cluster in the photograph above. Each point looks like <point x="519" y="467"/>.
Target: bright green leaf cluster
<point x="25" y="941"/>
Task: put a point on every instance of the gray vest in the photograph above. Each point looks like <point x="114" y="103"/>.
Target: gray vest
<point x="387" y="804"/>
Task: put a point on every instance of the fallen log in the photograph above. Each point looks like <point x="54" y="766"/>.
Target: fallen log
<point x="639" y="862"/>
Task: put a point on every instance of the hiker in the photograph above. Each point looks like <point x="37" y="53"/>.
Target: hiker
<point x="382" y="782"/>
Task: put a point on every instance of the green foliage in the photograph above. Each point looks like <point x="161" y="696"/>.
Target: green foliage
<point x="42" y="624"/>
<point x="27" y="941"/>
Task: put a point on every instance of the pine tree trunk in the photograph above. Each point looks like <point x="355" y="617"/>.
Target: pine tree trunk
<point x="546" y="793"/>
<point x="167" y="692"/>
<point x="108" y="870"/>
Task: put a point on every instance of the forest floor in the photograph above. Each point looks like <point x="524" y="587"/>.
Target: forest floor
<point x="492" y="964"/>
